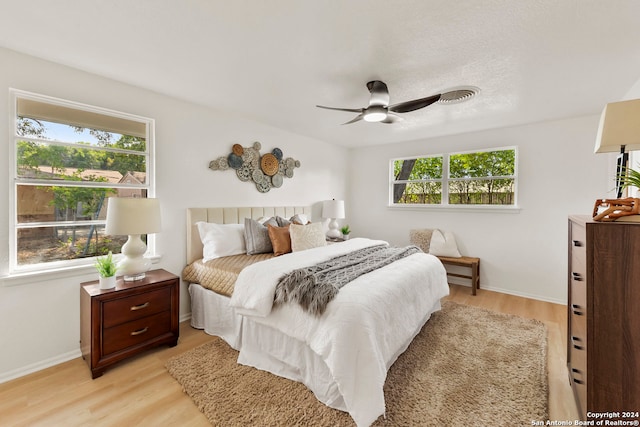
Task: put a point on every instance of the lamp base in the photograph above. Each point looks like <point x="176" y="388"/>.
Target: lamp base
<point x="134" y="265"/>
<point x="333" y="232"/>
<point x="133" y="277"/>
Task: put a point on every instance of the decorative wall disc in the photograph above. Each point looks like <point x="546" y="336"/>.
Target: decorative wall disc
<point x="223" y="165"/>
<point x="277" y="180"/>
<point x="266" y="172"/>
<point x="235" y="161"/>
<point x="257" y="176"/>
<point x="269" y="164"/>
<point x="237" y="149"/>
<point x="290" y="163"/>
<point x="263" y="186"/>
<point x="244" y="173"/>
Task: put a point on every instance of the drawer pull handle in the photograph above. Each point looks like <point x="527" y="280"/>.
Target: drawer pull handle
<point x="577" y="371"/>
<point x="576" y="307"/>
<point x="139" y="332"/>
<point x="576" y="346"/>
<point x="578" y="381"/>
<point x="577" y="243"/>
<point x="140" y="307"/>
<point x="577" y="277"/>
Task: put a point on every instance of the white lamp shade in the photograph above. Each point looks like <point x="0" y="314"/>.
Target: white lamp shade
<point x="619" y="125"/>
<point x="127" y="216"/>
<point x="333" y="209"/>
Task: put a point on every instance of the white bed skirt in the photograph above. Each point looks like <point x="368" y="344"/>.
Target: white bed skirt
<point x="210" y="311"/>
<point x="267" y="349"/>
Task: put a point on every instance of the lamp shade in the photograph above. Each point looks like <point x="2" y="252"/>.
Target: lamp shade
<point x="126" y="216"/>
<point x="333" y="209"/>
<point x="619" y="126"/>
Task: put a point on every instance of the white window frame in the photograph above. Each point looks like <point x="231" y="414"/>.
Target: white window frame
<point x="17" y="271"/>
<point x="444" y="203"/>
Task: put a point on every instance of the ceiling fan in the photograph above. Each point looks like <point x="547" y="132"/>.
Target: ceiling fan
<point x="380" y="111"/>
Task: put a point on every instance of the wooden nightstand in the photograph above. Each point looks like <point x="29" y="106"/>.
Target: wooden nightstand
<point x="128" y="319"/>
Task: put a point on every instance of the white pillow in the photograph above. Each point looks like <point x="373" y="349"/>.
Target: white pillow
<point x="443" y="244"/>
<point x="306" y="236"/>
<point x="221" y="239"/>
<point x="299" y="219"/>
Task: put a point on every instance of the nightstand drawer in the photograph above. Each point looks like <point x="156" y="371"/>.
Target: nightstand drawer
<point x="124" y="310"/>
<point x="136" y="332"/>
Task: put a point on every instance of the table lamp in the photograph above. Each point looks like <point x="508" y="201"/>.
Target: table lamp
<point x="619" y="131"/>
<point x="133" y="217"/>
<point x="333" y="209"/>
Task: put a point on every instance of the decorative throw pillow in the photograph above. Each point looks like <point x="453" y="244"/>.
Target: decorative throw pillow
<point x="282" y="222"/>
<point x="256" y="236"/>
<point x="421" y="238"/>
<point x="280" y="239"/>
<point x="220" y="240"/>
<point x="306" y="236"/>
<point x="300" y="219"/>
<point x="443" y="244"/>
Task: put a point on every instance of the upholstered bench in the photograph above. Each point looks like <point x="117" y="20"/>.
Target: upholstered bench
<point x="465" y="261"/>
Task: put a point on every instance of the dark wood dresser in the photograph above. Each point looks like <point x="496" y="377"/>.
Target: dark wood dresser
<point x="128" y="319"/>
<point x="603" y="351"/>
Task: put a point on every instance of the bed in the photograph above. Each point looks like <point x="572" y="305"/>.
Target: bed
<point x="343" y="355"/>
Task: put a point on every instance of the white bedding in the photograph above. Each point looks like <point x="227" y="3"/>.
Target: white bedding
<point x="364" y="329"/>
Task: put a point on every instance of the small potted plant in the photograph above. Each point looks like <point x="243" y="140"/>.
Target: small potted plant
<point x="345" y="232"/>
<point x="630" y="178"/>
<point x="106" y="267"/>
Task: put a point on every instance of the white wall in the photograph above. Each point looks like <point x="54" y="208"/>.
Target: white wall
<point x="521" y="253"/>
<point x="40" y="317"/>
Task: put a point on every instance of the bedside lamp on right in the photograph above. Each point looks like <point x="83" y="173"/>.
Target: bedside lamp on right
<point x="333" y="209"/>
<point x="619" y="131"/>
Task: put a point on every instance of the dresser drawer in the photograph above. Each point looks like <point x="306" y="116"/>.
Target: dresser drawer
<point x="578" y="325"/>
<point x="578" y="236"/>
<point x="578" y="301"/>
<point x="136" y="332"/>
<point x="124" y="310"/>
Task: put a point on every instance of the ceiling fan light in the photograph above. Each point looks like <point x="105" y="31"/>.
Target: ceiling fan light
<point x="375" y="114"/>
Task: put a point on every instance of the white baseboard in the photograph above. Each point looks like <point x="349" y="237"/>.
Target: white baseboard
<point x="526" y="295"/>
<point x="518" y="294"/>
<point x="44" y="364"/>
<point x="38" y="366"/>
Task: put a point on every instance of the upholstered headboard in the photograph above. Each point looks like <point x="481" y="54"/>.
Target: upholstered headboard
<point x="230" y="216"/>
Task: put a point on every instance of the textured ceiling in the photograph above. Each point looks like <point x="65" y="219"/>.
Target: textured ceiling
<point x="274" y="60"/>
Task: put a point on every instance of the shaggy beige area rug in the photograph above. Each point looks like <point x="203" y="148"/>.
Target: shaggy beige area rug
<point x="468" y="366"/>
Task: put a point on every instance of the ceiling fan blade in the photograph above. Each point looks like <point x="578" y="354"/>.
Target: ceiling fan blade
<point x="416" y="104"/>
<point x="351" y="110"/>
<point x="391" y="118"/>
<point x="379" y="93"/>
<point x="356" y="119"/>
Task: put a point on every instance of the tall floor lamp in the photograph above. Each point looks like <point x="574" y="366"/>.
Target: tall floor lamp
<point x="133" y="217"/>
<point x="619" y="131"/>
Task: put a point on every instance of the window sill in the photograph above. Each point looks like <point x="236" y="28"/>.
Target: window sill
<point x="459" y="208"/>
<point x="35" y="276"/>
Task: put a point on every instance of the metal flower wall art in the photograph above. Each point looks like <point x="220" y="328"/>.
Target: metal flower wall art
<point x="266" y="171"/>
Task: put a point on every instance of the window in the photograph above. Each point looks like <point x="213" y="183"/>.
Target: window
<point x="67" y="160"/>
<point x="477" y="178"/>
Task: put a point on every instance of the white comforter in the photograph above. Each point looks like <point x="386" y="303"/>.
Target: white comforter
<point x="364" y="329"/>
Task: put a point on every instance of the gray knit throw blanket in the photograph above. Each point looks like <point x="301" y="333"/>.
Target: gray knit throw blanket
<point x="313" y="287"/>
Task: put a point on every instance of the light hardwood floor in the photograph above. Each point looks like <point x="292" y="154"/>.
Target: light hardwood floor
<point x="140" y="392"/>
